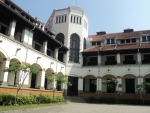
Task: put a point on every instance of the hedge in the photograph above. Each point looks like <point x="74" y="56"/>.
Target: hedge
<point x="8" y="99"/>
<point x="120" y="101"/>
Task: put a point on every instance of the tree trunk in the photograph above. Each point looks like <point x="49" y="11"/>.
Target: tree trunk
<point x="16" y="96"/>
<point x="22" y="87"/>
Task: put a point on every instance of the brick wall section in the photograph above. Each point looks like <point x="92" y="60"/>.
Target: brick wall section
<point x="106" y="95"/>
<point x="29" y="91"/>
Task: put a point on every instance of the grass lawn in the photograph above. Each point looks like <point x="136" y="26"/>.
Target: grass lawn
<point x="7" y="108"/>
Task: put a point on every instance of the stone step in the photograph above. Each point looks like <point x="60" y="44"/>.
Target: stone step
<point x="75" y="99"/>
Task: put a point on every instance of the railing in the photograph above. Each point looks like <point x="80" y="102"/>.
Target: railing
<point x="145" y="61"/>
<point x="110" y="62"/>
<point x="129" y="62"/>
<point x="4" y="37"/>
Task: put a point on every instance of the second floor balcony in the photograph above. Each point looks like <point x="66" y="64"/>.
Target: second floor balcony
<point x="118" y="59"/>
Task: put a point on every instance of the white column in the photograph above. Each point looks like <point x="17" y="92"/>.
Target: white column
<point x="27" y="37"/>
<point x="4" y="75"/>
<point x="45" y="47"/>
<point x="65" y="87"/>
<point x="80" y="85"/>
<point x="56" y="53"/>
<point x="99" y="59"/>
<point x="65" y="57"/>
<point x="99" y="84"/>
<point x="11" y="30"/>
<point x="80" y="58"/>
<point x="118" y="58"/>
<point x="139" y="57"/>
<point x="140" y="80"/>
<point x="54" y="84"/>
<point x="119" y="79"/>
<point x="42" y="78"/>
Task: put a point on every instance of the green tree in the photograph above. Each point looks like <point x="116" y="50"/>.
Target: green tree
<point x="60" y="80"/>
<point x="142" y="89"/>
<point x="21" y="73"/>
<point x="113" y="85"/>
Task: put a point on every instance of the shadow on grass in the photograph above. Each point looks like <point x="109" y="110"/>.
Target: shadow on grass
<point x="23" y="107"/>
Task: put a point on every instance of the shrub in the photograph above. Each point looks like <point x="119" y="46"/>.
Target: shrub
<point x="120" y="101"/>
<point x="8" y="99"/>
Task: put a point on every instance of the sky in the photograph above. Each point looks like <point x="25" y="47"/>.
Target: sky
<point x="107" y="15"/>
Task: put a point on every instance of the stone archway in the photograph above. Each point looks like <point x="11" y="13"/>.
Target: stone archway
<point x="59" y="87"/>
<point x="129" y="82"/>
<point x="47" y="85"/>
<point x="146" y="78"/>
<point x="105" y="87"/>
<point x="34" y="79"/>
<point x="12" y="79"/>
<point x="90" y="83"/>
<point x="3" y="61"/>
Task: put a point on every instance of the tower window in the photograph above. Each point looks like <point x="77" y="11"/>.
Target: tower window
<point x="74" y="48"/>
<point x="74" y="19"/>
<point x="65" y="18"/>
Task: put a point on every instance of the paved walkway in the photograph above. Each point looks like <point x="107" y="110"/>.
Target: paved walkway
<point x="86" y="108"/>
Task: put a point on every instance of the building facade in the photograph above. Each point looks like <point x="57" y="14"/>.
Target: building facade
<point x="63" y="46"/>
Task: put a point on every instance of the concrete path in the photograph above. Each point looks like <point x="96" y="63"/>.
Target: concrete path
<point x="86" y="108"/>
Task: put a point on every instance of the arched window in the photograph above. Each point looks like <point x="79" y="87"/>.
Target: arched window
<point x="84" y="44"/>
<point x="74" y="48"/>
<point x="60" y="37"/>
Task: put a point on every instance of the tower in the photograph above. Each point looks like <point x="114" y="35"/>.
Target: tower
<point x="71" y="28"/>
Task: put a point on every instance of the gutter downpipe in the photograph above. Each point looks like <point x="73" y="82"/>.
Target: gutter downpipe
<point x="98" y="74"/>
<point x="99" y="71"/>
<point x="57" y="58"/>
<point x="139" y="72"/>
<point x="139" y="61"/>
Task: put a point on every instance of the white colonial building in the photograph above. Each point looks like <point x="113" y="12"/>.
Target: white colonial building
<point x="63" y="46"/>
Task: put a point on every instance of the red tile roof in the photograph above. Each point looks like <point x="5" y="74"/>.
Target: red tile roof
<point x="121" y="35"/>
<point x="118" y="47"/>
<point x="93" y="49"/>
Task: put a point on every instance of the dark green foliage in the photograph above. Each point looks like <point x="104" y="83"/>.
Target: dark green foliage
<point x="25" y="71"/>
<point x="7" y="99"/>
<point x="120" y="101"/>
<point x="59" y="78"/>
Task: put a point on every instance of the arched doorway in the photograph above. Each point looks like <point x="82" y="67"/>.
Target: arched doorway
<point x="59" y="87"/>
<point x="129" y="83"/>
<point x="13" y="79"/>
<point x="47" y="85"/>
<point x="147" y="79"/>
<point x="89" y="84"/>
<point x="2" y="66"/>
<point x="106" y="88"/>
<point x="73" y="89"/>
<point x="34" y="79"/>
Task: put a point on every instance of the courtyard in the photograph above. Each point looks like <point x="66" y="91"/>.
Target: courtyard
<point x="73" y="107"/>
